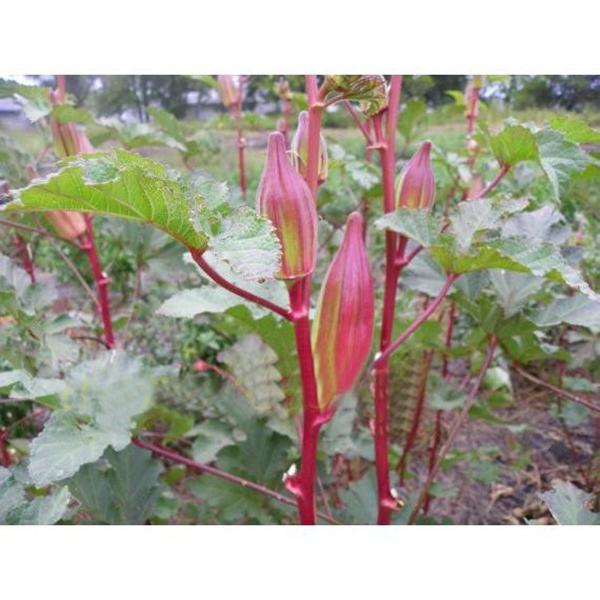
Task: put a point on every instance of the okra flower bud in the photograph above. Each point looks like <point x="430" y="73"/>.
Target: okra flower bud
<point x="343" y="327"/>
<point x="300" y="149"/>
<point x="282" y="89"/>
<point x="285" y="199"/>
<point x="69" y="139"/>
<point x="68" y="225"/>
<point x="230" y="89"/>
<point x="476" y="187"/>
<point x="415" y="187"/>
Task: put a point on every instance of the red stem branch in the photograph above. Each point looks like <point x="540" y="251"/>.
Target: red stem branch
<point x="425" y="314"/>
<point x="417" y="415"/>
<point x="386" y="145"/>
<point x="458" y="423"/>
<point x="303" y="486"/>
<point x="504" y="169"/>
<point x="557" y="390"/>
<point x="89" y="246"/>
<point x="359" y="122"/>
<point x="204" y="468"/>
<point x="24" y="253"/>
<point x="234" y="289"/>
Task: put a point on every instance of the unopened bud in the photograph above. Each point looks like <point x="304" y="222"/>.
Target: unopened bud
<point x="69" y="139"/>
<point x="285" y="199"/>
<point x="300" y="149"/>
<point x="282" y="89"/>
<point x="68" y="225"/>
<point x="415" y="187"/>
<point x="343" y="327"/>
<point x="472" y="146"/>
<point x="200" y="366"/>
<point x="476" y="187"/>
<point x="230" y="89"/>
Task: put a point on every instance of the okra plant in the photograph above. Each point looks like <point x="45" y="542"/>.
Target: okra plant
<point x="344" y="328"/>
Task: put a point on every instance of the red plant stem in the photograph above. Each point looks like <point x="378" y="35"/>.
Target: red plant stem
<point x="303" y="485"/>
<point x="425" y="314"/>
<point x="433" y="450"/>
<point x="5" y="457"/>
<point x="204" y="468"/>
<point x="286" y="111"/>
<point x="23" y="227"/>
<point x="363" y="126"/>
<point x="61" y="84"/>
<point x="20" y="243"/>
<point x="458" y="422"/>
<point x="504" y="169"/>
<point x="89" y="246"/>
<point x="417" y="415"/>
<point x="437" y="430"/>
<point x="387" y="153"/>
<point x="315" y="113"/>
<point x="312" y="417"/>
<point x="24" y="253"/>
<point x="234" y="289"/>
<point x="557" y="390"/>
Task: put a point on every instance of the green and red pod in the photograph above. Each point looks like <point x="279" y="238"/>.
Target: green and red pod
<point x="300" y="149"/>
<point x="285" y="199"/>
<point x="342" y="333"/>
<point x="415" y="186"/>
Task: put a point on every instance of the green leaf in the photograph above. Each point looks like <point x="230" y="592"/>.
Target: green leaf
<point x="252" y="363"/>
<point x="124" y="489"/>
<point x="12" y="494"/>
<point x="424" y="275"/>
<point x="212" y="437"/>
<point x="339" y="436"/>
<point x="514" y="254"/>
<point x="442" y="396"/>
<point x="410" y="117"/>
<point x="560" y="159"/>
<point x="233" y="502"/>
<point x="480" y="215"/>
<point x="13" y="161"/>
<point x="575" y="310"/>
<point x="536" y="225"/>
<point x="134" y="481"/>
<point x="262" y="456"/>
<point x="62" y="447"/>
<point x="168" y="123"/>
<point x="575" y="129"/>
<point x="513" y="144"/>
<point x="416" y="224"/>
<point x="567" y="505"/>
<point x="92" y="489"/>
<point x="16" y="509"/>
<point x="248" y="244"/>
<point x="578" y="384"/>
<point x="360" y="499"/>
<point x="97" y="409"/>
<point x="187" y="304"/>
<point x="119" y="184"/>
<point x="513" y="290"/>
<point x="43" y="511"/>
